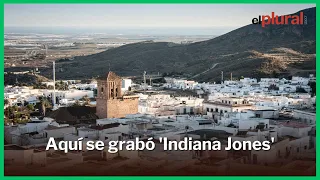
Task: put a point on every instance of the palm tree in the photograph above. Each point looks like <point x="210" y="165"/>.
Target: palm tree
<point x="9" y="112"/>
<point x="44" y="105"/>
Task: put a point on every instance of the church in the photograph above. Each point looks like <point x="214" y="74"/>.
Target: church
<point x="110" y="101"/>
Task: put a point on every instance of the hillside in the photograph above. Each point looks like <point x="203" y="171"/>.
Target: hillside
<point x="276" y="50"/>
<point x="28" y="79"/>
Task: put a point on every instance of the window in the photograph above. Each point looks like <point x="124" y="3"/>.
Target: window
<point x="112" y="93"/>
<point x="207" y="109"/>
<point x="211" y="110"/>
<point x="217" y="110"/>
<point x="305" y="147"/>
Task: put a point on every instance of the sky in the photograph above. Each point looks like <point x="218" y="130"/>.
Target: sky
<point x="193" y="18"/>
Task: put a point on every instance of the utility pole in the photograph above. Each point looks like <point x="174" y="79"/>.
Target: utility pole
<point x="54" y="84"/>
<point x="144" y="81"/>
<point x="221" y="77"/>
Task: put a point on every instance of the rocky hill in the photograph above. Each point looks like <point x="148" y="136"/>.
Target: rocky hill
<point x="276" y="50"/>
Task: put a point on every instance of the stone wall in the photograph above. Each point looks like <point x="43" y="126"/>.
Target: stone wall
<point x="117" y="108"/>
<point x="101" y="108"/>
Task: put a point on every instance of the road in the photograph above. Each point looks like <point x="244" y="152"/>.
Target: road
<point x="213" y="66"/>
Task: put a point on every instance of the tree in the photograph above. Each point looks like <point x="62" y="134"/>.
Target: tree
<point x="15" y="108"/>
<point x="9" y="112"/>
<point x="86" y="100"/>
<point x="45" y="103"/>
<point x="273" y="87"/>
<point x="313" y="88"/>
<point x="6" y="102"/>
<point x="30" y="107"/>
<point x="275" y="74"/>
<point x="62" y="85"/>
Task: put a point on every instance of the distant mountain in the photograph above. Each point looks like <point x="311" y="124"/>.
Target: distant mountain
<point x="276" y="50"/>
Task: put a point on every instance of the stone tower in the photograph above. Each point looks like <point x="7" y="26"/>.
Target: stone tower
<point x="110" y="88"/>
<point x="110" y="102"/>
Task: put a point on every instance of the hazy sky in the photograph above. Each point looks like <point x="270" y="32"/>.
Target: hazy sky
<point x="219" y="16"/>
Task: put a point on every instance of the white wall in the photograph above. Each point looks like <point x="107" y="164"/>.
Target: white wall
<point x="294" y="132"/>
<point x="59" y="132"/>
<point x="306" y="117"/>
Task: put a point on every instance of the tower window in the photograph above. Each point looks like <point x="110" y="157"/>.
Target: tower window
<point x="112" y="93"/>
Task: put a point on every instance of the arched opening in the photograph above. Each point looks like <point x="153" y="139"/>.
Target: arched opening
<point x="112" y="93"/>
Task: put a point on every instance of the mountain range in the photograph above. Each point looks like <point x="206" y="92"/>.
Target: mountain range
<point x="249" y="51"/>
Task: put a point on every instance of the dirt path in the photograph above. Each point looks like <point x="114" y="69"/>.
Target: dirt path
<point x="213" y="66"/>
